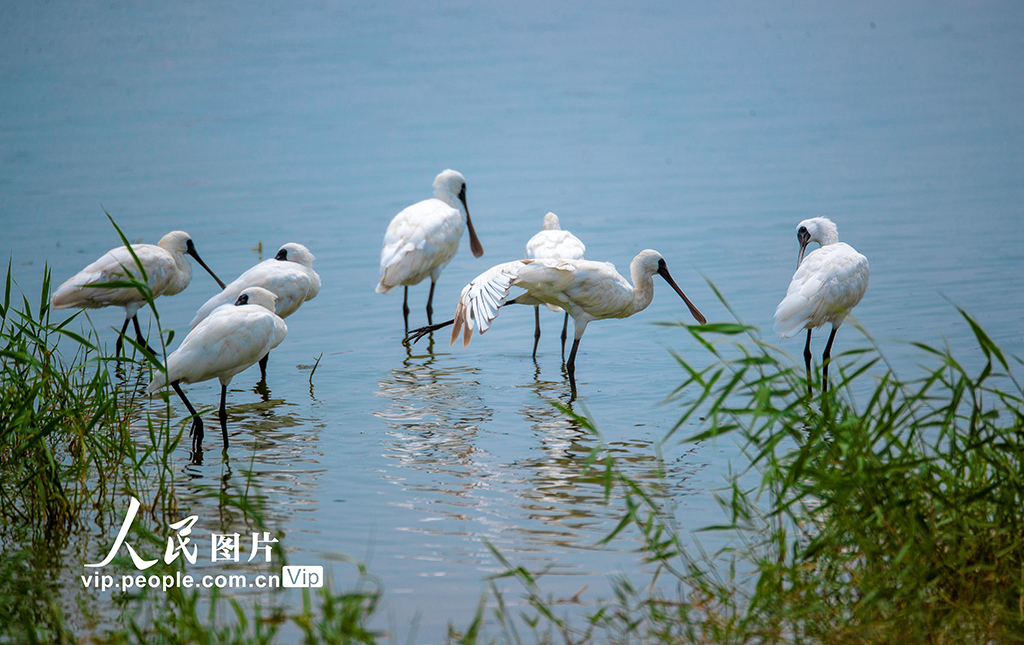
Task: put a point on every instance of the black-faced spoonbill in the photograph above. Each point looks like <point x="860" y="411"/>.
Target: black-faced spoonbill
<point x="423" y="238"/>
<point x="167" y="271"/>
<point x="553" y="242"/>
<point x="229" y="340"/>
<point x="289" y="275"/>
<point x="587" y="290"/>
<point x="827" y="285"/>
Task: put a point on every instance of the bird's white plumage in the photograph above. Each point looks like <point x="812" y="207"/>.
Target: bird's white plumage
<point x="422" y="239"/>
<point x="291" y="279"/>
<point x="827" y="285"/>
<point x="553" y="242"/>
<point x="587" y="290"/>
<point x="167" y="270"/>
<point x="231" y="339"/>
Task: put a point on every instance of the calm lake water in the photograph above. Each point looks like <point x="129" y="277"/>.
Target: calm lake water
<point x="703" y="131"/>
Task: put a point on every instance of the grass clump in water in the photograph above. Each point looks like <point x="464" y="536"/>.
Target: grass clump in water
<point x="76" y="441"/>
<point x="62" y="430"/>
<point x="899" y="520"/>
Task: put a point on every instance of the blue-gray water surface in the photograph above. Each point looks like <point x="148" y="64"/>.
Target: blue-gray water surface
<point x="706" y="131"/>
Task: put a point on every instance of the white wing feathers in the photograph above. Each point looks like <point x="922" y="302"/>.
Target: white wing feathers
<point x="481" y="299"/>
<point x="291" y="282"/>
<point x="115" y="265"/>
<point x="827" y="285"/>
<point x="420" y="241"/>
<point x="555" y="244"/>
<point x="228" y="341"/>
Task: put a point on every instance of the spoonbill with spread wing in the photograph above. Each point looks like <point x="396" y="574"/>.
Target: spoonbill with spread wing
<point x="586" y="290"/>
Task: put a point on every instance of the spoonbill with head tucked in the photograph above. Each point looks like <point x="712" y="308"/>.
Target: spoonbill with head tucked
<point x="289" y="275"/>
<point x="167" y="273"/>
<point x="586" y="290"/>
<point x="827" y="285"/>
<point x="553" y="242"/>
<point x="423" y="238"/>
<point x="229" y="340"/>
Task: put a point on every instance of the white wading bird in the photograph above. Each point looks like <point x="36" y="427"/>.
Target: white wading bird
<point x="289" y="275"/>
<point x="167" y="273"/>
<point x="827" y="285"/>
<point x="553" y="242"/>
<point x="423" y="239"/>
<point x="229" y="340"/>
<point x="587" y="290"/>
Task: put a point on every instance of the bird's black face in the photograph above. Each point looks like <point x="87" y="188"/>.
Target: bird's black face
<point x="190" y="248"/>
<point x="282" y="255"/>
<point x="804" y="237"/>
<point x="242" y="300"/>
<point x="662" y="268"/>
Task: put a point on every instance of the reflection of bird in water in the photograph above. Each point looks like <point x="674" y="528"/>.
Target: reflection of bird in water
<point x="435" y="410"/>
<point x="433" y="414"/>
<point x="561" y="490"/>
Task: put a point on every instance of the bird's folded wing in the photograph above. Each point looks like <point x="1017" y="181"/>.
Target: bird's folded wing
<point x="114" y="266"/>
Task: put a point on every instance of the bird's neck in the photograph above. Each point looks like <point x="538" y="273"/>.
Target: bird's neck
<point x="448" y="197"/>
<point x="643" y="288"/>
<point x="828" y="236"/>
<point x="181" y="277"/>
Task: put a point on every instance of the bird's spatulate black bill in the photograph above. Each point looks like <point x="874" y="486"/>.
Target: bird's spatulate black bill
<point x="192" y="251"/>
<point x="474" y="241"/>
<point x="697" y="315"/>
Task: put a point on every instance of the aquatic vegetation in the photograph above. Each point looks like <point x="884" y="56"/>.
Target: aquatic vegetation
<point x="883" y="510"/>
<point x="77" y="439"/>
<point x="899" y="519"/>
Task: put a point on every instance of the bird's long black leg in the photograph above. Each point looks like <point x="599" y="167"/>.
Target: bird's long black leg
<point x="430" y="304"/>
<point x="224" y="414"/>
<point x="263" y="367"/>
<point x="197" y="421"/>
<point x="405" y="309"/>
<point x="536" y="329"/>
<point x="139" y="337"/>
<point x="120" y="338"/>
<point x="565" y="326"/>
<point x="825" y="358"/>
<point x="807" y="361"/>
<point x="571" y="366"/>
